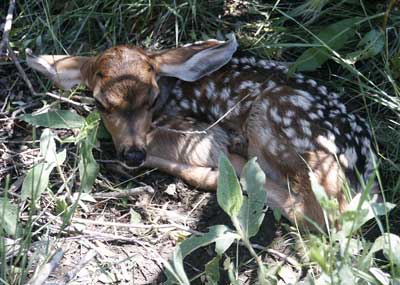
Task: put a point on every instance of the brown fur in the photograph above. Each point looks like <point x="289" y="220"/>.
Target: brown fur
<point x="125" y="85"/>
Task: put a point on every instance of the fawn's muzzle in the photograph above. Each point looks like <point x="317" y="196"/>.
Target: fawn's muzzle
<point x="134" y="156"/>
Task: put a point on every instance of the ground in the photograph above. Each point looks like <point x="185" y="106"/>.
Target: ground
<point x="127" y="240"/>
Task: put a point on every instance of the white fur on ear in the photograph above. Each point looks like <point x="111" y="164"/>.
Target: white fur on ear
<point x="203" y="62"/>
<point x="40" y="64"/>
<point x="52" y="67"/>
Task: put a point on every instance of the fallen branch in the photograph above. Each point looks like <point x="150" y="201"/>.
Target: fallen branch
<point x="5" y="43"/>
<point x="7" y="26"/>
<point x="40" y="277"/>
<point x="125" y="193"/>
<point x="69" y="276"/>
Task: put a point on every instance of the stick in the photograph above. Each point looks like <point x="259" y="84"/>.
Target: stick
<point x="69" y="276"/>
<point x="46" y="270"/>
<point x="7" y="26"/>
<point x="123" y="194"/>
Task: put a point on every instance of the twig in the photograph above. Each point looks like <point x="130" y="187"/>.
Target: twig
<point x="118" y="162"/>
<point x="5" y="42"/>
<point x="7" y="26"/>
<point x="123" y="194"/>
<point x="46" y="270"/>
<point x="69" y="276"/>
<point x="136" y="226"/>
<point x="64" y="99"/>
<point x="210" y="126"/>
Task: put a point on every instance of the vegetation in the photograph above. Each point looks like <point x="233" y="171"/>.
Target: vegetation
<point x="48" y="185"/>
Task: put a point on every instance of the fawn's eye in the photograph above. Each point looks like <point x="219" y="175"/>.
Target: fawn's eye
<point x="153" y="104"/>
<point x="99" y="105"/>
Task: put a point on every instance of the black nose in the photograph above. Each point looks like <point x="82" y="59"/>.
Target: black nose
<point x="134" y="157"/>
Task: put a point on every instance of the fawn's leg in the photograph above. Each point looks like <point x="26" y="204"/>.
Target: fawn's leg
<point x="198" y="176"/>
<point x="180" y="150"/>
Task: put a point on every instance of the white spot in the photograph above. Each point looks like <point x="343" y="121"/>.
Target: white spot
<point x="287" y="121"/>
<point x="194" y="106"/>
<point x="320" y="113"/>
<point x="234" y="60"/>
<point x="252" y="60"/>
<point x="320" y="106"/>
<point x="299" y="76"/>
<point x="290" y="114"/>
<point x="312" y="82"/>
<point x="210" y="90"/>
<point x="226" y="80"/>
<point x="184" y="104"/>
<point x="248" y="84"/>
<point x="300" y="102"/>
<point x="284" y="69"/>
<point x="300" y="81"/>
<point x="246" y="67"/>
<point x="275" y="116"/>
<point x="289" y="132"/>
<point x="236" y="74"/>
<point x="328" y="144"/>
<point x="272" y="146"/>
<point x="351" y="157"/>
<point x="270" y="85"/>
<point x="244" y="60"/>
<point x="328" y="125"/>
<point x="342" y="108"/>
<point x="323" y="90"/>
<point x="177" y="91"/>
<point x="215" y="110"/>
<point x="197" y="93"/>
<point x="306" y="127"/>
<point x="336" y="130"/>
<point x="313" y="116"/>
<point x="225" y="93"/>
<point x="305" y="94"/>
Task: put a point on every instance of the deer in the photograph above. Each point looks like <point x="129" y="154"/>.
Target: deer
<point x="178" y="109"/>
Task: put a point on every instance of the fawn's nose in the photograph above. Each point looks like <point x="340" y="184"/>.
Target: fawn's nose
<point x="134" y="156"/>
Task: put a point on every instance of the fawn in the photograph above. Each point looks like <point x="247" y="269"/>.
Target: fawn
<point x="154" y="103"/>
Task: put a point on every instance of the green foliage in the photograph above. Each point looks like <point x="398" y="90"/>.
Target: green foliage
<point x="8" y="217"/>
<point x="333" y="37"/>
<point x="55" y="119"/>
<point x="253" y="184"/>
<point x="246" y="215"/>
<point x="37" y="179"/>
<point x="229" y="195"/>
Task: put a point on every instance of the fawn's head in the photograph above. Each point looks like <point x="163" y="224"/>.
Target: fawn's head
<point x="124" y="83"/>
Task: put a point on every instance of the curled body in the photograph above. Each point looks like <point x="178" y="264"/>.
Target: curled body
<point x="179" y="109"/>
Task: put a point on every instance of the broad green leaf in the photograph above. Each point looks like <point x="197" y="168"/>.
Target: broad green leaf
<point x="8" y="217"/>
<point x="188" y="246"/>
<point x="48" y="146"/>
<point x="360" y="211"/>
<point x="335" y="36"/>
<point x="222" y="244"/>
<point x="55" y="119"/>
<point x="88" y="167"/>
<point x="372" y="44"/>
<point x="36" y="181"/>
<point x="390" y="244"/>
<point x="212" y="271"/>
<point x="229" y="194"/>
<point x="251" y="213"/>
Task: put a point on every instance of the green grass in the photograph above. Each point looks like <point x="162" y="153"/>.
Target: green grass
<point x="365" y="72"/>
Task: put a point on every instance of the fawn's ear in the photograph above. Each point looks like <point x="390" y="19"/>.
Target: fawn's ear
<point x="64" y="70"/>
<point x="192" y="62"/>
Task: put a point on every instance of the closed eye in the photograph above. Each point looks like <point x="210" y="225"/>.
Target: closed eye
<point x="153" y="104"/>
<point x="99" y="105"/>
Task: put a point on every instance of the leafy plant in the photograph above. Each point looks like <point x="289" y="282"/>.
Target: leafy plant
<point x="246" y="213"/>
